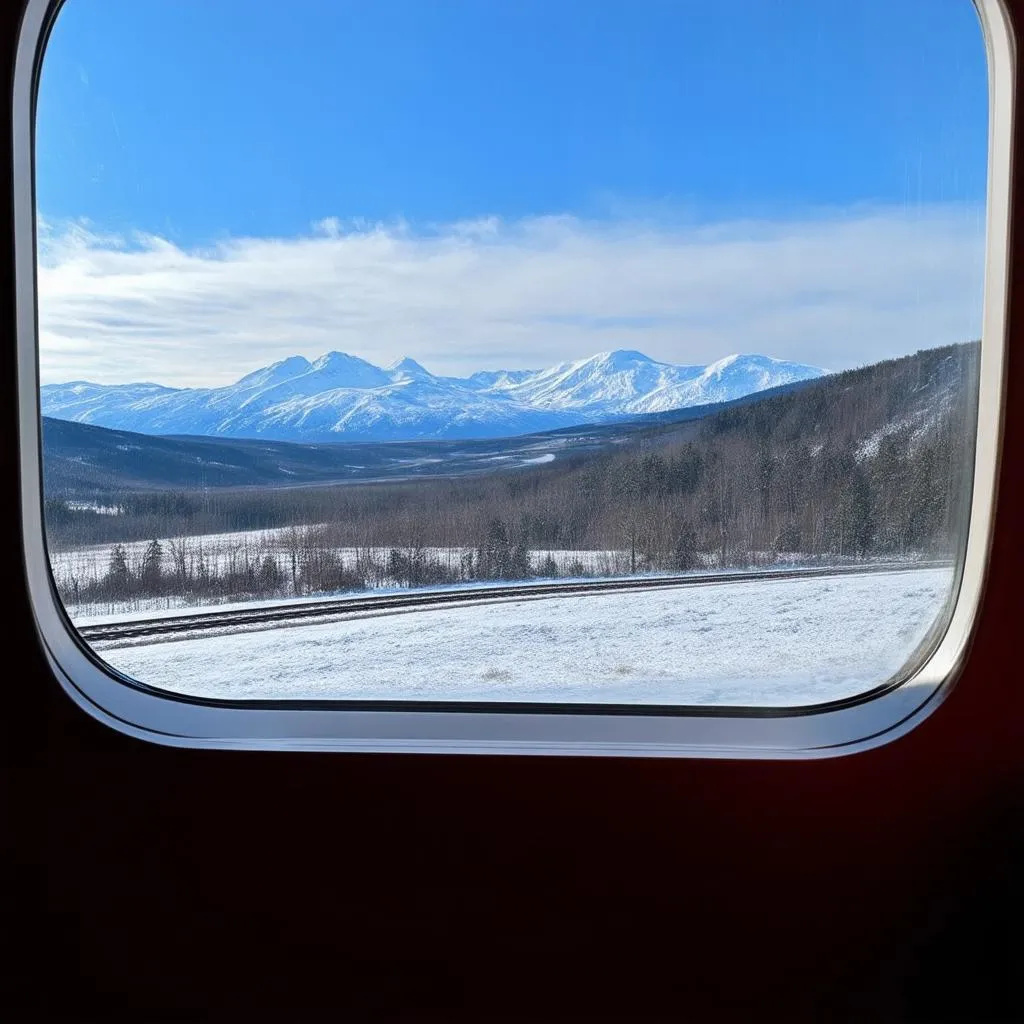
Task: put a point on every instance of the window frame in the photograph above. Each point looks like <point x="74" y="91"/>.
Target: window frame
<point x="845" y="727"/>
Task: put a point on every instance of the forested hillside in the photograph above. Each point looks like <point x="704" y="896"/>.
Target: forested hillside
<point x="870" y="462"/>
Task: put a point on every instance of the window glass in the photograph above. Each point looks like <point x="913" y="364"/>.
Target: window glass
<point x="577" y="352"/>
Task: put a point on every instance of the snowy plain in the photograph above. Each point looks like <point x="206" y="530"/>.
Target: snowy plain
<point x="773" y="643"/>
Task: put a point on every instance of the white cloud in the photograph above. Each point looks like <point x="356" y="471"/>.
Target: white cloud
<point x="329" y="226"/>
<point x="836" y="290"/>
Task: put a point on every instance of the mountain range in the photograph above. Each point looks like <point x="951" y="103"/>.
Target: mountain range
<point x="340" y="397"/>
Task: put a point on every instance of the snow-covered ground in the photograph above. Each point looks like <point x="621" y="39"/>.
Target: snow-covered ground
<point x="770" y="643"/>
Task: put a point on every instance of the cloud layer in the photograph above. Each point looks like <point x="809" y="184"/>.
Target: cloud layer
<point x="835" y="290"/>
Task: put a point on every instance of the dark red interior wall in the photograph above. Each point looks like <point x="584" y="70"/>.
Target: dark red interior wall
<point x="148" y="883"/>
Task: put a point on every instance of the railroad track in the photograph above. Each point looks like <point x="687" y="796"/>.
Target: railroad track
<point x="213" y="620"/>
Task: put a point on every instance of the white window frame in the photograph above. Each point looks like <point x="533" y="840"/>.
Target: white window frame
<point x="839" y="728"/>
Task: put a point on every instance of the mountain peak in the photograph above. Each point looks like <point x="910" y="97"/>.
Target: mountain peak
<point x="283" y="369"/>
<point x="746" y="373"/>
<point x="409" y="366"/>
<point x="622" y="357"/>
<point x="730" y="360"/>
<point x="334" y="360"/>
<point x="753" y="361"/>
<point x="341" y="370"/>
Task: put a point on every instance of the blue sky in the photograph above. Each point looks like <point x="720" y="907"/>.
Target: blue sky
<point x="204" y="122"/>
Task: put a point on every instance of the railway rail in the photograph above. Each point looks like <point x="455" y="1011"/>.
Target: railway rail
<point x="213" y="620"/>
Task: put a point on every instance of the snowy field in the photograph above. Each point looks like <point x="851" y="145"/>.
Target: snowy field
<point x="223" y="551"/>
<point x="770" y="643"/>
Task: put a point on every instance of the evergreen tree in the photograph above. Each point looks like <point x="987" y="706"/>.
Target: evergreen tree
<point x="684" y="550"/>
<point x="269" y="576"/>
<point x="119" y="578"/>
<point x="856" y="514"/>
<point x="494" y="561"/>
<point x="151" y="574"/>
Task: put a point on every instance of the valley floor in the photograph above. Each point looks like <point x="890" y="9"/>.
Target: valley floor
<point x="765" y="643"/>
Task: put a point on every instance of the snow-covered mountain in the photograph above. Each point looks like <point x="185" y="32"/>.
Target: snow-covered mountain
<point x="340" y="397"/>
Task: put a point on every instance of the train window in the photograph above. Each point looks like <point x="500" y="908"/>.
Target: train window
<point x="540" y="376"/>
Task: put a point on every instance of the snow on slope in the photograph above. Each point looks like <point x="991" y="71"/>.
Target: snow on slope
<point x="342" y="397"/>
<point x="778" y="643"/>
<point x="608" y="380"/>
<point x="629" y="382"/>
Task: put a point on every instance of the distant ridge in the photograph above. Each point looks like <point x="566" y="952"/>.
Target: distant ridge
<point x="340" y="397"/>
<point x="81" y="459"/>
